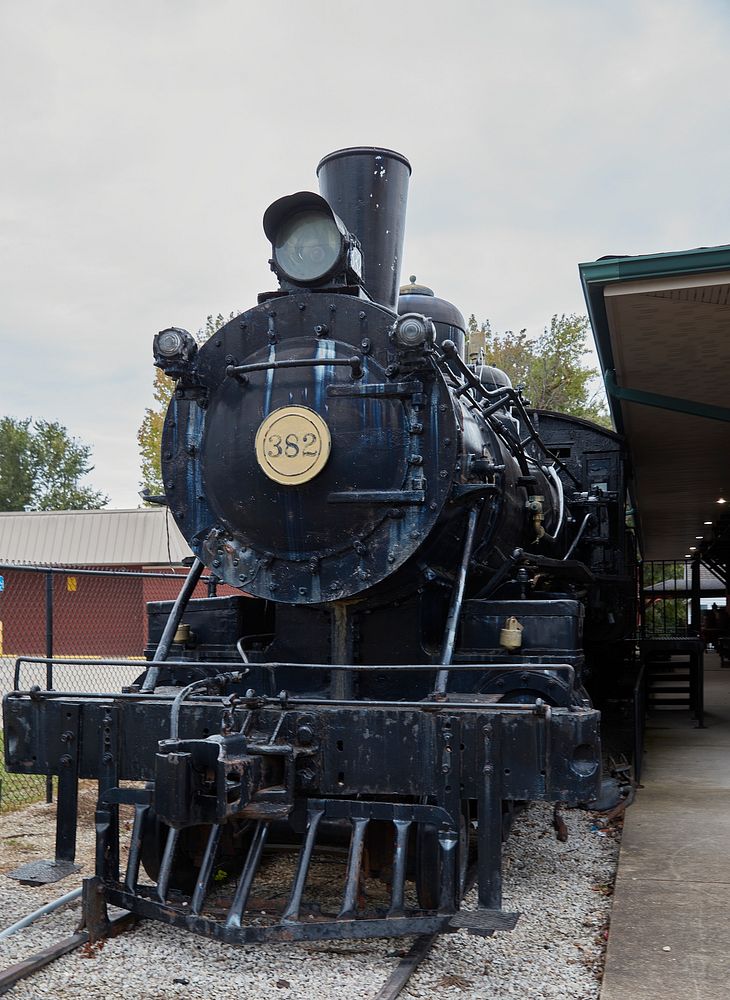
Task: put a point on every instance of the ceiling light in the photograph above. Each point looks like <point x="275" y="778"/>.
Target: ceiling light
<point x="699" y="537"/>
<point x="722" y="500"/>
<point x="707" y="522"/>
<point x="693" y="548"/>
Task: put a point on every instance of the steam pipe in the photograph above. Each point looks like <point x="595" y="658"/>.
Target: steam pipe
<point x="168" y="635"/>
<point x="584" y="524"/>
<point x="31" y="918"/>
<point x="452" y="621"/>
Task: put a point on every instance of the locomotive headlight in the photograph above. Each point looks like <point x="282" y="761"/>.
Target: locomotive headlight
<point x="169" y="343"/>
<point x="310" y="244"/>
<point x="413" y="330"/>
<point x="307" y="247"/>
<point x="173" y="349"/>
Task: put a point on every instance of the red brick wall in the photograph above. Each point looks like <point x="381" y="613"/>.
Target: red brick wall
<point x="94" y="615"/>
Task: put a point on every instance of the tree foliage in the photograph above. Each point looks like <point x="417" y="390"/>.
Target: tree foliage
<point x="149" y="435"/>
<point x="550" y="367"/>
<point x="40" y="468"/>
<point x="666" y="608"/>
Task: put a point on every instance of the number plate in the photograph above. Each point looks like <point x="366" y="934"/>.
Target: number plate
<point x="292" y="445"/>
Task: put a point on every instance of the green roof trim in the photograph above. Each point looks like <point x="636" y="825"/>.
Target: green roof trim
<point x="596" y="275"/>
<point x="655" y="265"/>
<point x="679" y="405"/>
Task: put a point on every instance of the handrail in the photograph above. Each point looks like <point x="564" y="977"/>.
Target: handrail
<point x="74" y="571"/>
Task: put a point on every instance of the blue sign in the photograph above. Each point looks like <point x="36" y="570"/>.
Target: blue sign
<point x="2" y="584"/>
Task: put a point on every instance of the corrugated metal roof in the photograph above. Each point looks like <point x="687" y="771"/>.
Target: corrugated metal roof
<point x="148" y="536"/>
<point x="708" y="583"/>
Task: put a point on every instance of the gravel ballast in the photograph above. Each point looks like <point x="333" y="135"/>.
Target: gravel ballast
<point x="562" y="890"/>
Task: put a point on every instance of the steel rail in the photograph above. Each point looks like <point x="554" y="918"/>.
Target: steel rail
<point x="403" y="971"/>
<point x="29" y="966"/>
<point x="419" y="950"/>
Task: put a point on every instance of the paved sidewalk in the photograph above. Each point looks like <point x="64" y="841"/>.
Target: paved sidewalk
<point x="670" y="923"/>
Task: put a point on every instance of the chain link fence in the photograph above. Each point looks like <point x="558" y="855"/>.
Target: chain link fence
<point x="84" y="614"/>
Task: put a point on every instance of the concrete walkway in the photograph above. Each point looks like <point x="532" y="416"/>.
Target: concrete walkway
<point x="670" y="924"/>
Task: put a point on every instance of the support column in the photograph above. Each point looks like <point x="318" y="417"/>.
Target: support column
<point x="695" y="594"/>
<point x="489" y="830"/>
<point x="342" y="651"/>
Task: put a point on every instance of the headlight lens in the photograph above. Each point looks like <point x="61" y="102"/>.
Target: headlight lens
<point x="413" y="330"/>
<point x="307" y="246"/>
<point x="169" y="344"/>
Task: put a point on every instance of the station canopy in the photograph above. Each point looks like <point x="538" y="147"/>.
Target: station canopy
<point x="662" y="328"/>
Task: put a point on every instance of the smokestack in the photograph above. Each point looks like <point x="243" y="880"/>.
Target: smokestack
<point x="368" y="188"/>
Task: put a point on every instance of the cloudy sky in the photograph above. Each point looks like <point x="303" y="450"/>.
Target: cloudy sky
<point x="142" y="141"/>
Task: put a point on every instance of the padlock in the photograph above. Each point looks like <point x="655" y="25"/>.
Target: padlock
<point x="510" y="637"/>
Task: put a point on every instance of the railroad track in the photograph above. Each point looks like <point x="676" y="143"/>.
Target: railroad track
<point x="406" y="967"/>
<point x="22" y="970"/>
<point x="416" y="954"/>
<point x="390" y="990"/>
<point x="13" y="974"/>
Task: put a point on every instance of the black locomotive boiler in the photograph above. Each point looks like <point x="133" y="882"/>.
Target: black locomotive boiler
<point x="427" y="571"/>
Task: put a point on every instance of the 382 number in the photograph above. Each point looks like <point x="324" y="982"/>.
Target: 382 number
<point x="291" y="446"/>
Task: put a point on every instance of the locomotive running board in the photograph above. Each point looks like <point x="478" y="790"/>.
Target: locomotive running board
<point x="238" y="922"/>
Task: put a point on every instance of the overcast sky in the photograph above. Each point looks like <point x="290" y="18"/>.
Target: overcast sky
<point x="142" y="141"/>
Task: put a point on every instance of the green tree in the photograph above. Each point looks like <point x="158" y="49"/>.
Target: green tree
<point x="17" y="479"/>
<point x="666" y="607"/>
<point x="40" y="467"/>
<point x="149" y="435"/>
<point x="549" y="367"/>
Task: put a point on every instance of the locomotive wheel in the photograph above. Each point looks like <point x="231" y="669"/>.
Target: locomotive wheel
<point x="428" y="860"/>
<point x="184" y="870"/>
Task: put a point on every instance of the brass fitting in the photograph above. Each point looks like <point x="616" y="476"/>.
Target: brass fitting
<point x="534" y="504"/>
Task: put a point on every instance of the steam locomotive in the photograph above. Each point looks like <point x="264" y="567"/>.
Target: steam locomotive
<point x="427" y="569"/>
